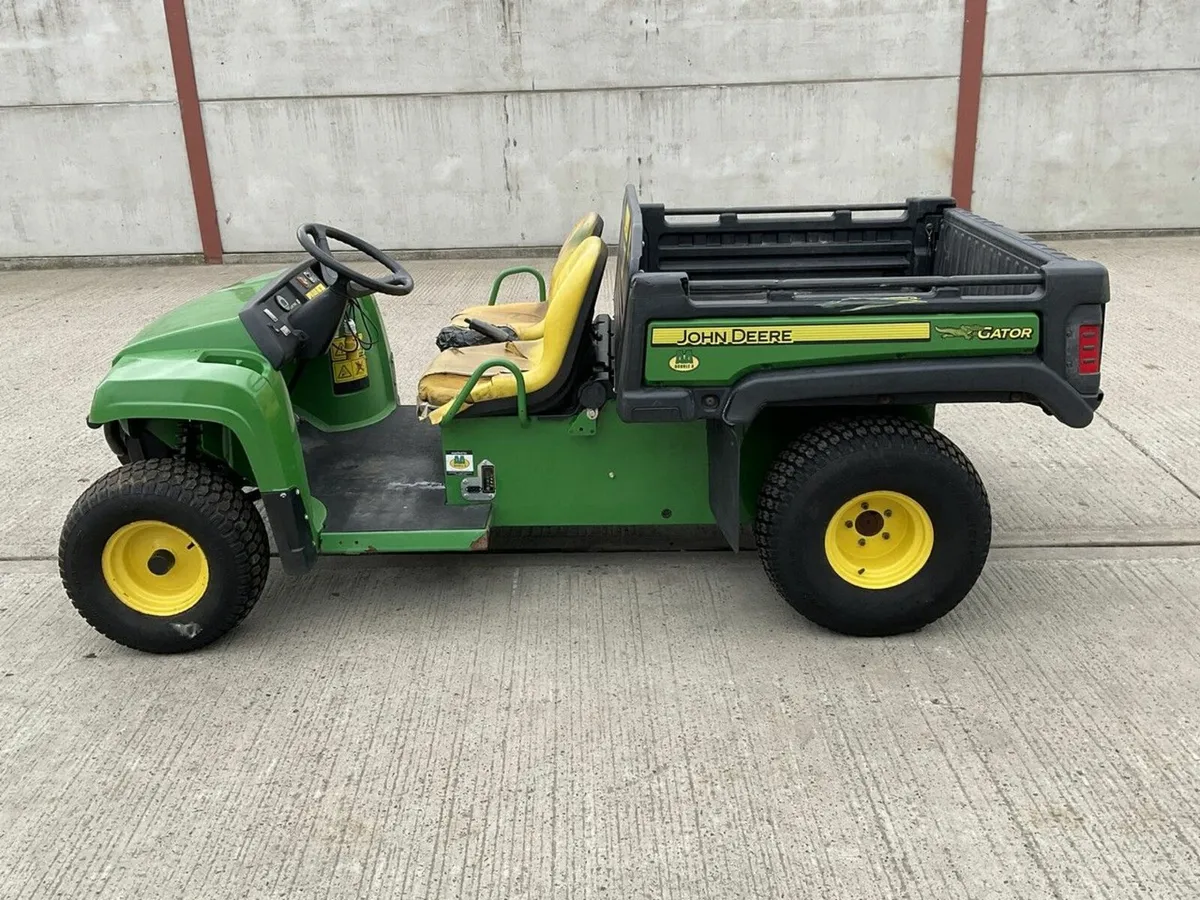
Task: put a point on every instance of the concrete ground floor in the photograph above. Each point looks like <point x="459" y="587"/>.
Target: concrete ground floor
<point x="622" y="724"/>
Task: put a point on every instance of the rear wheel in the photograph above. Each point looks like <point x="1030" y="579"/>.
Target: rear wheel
<point x="163" y="555"/>
<point x="873" y="526"/>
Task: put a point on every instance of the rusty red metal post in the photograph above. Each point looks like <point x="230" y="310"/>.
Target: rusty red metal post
<point x="970" y="84"/>
<point x="193" y="130"/>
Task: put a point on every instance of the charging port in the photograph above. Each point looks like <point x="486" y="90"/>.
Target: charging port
<point x="481" y="486"/>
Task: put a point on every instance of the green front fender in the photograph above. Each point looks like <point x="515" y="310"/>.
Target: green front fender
<point x="238" y="391"/>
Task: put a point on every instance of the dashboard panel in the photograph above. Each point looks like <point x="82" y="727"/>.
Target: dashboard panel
<point x="280" y="317"/>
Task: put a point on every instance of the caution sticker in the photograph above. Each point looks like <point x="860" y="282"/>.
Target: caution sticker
<point x="349" y="360"/>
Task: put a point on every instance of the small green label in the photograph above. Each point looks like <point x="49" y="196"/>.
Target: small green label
<point x="684" y="361"/>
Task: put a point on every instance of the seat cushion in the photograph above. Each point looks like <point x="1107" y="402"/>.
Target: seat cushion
<point x="523" y="318"/>
<point x="451" y="369"/>
<point x="544" y="366"/>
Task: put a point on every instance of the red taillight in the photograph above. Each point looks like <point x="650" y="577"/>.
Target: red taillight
<point x="1089" y="349"/>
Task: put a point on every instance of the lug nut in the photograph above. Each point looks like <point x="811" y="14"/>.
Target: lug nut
<point x="886" y="536"/>
<point x="862" y="571"/>
<point x="849" y="524"/>
<point x="862" y="542"/>
<point x="888" y="513"/>
<point x="866" y="505"/>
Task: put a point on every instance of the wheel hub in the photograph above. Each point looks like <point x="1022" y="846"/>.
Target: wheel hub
<point x="869" y="523"/>
<point x="879" y="539"/>
<point x="161" y="562"/>
<point x="155" y="568"/>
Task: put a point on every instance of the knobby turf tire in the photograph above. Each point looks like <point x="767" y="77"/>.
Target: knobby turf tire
<point x="835" y="462"/>
<point x="188" y="495"/>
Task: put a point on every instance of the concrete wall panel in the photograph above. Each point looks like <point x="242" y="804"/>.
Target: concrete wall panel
<point x="1090" y="151"/>
<point x="262" y="48"/>
<point x="94" y="180"/>
<point x="395" y="170"/>
<point x="1030" y="36"/>
<point x="80" y="51"/>
<point x="491" y="170"/>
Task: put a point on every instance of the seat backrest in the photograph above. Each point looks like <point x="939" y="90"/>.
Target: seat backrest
<point x="590" y="225"/>
<point x="551" y="378"/>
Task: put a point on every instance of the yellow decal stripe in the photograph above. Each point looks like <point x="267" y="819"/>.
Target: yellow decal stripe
<point x="702" y="336"/>
<point x="666" y="336"/>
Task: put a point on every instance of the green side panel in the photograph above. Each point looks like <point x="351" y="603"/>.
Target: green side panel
<point x="624" y="474"/>
<point x="354" y="542"/>
<point x="237" y="390"/>
<point x="720" y="351"/>
<point x="313" y="394"/>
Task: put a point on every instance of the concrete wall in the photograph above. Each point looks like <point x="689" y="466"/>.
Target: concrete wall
<point x="491" y="169"/>
<point x="91" y="158"/>
<point x="1090" y="115"/>
<point x="460" y="123"/>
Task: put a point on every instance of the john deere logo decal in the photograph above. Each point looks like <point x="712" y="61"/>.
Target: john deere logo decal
<point x="777" y="334"/>
<point x="684" y="361"/>
<point x="985" y="333"/>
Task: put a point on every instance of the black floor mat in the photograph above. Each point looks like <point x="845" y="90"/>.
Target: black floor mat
<point x="386" y="477"/>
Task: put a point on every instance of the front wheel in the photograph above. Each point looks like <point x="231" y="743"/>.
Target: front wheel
<point x="163" y="555"/>
<point x="873" y="526"/>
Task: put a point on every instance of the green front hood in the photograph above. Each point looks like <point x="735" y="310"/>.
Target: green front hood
<point x="206" y="323"/>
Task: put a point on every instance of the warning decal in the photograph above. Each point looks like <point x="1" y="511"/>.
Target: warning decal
<point x="349" y="360"/>
<point x="344" y="346"/>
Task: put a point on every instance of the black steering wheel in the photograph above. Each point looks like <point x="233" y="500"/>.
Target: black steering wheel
<point x="314" y="238"/>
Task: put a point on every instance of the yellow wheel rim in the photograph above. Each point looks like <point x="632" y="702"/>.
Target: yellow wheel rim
<point x="879" y="539"/>
<point x="155" y="568"/>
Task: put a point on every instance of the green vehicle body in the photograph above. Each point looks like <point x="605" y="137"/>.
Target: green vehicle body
<point x="244" y="410"/>
<point x="195" y="377"/>
<point x="627" y="474"/>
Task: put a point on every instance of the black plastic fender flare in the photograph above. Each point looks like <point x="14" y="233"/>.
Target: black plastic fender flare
<point x="949" y="380"/>
<point x="924" y="381"/>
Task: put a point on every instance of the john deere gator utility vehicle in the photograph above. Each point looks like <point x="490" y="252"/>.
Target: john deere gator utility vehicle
<point x="775" y="368"/>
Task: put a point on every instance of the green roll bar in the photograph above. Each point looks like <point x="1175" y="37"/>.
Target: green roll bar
<point x="465" y="391"/>
<point x="519" y="270"/>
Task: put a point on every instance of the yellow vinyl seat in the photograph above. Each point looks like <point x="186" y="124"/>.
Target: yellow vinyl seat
<point x="526" y="317"/>
<point x="548" y="365"/>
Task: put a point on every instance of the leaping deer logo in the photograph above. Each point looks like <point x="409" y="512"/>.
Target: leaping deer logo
<point x="960" y="331"/>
